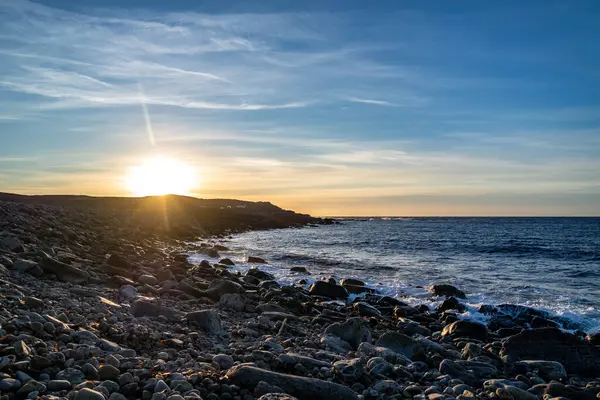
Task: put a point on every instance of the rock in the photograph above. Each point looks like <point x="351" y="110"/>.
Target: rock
<point x="64" y="272"/>
<point x="410" y="327"/>
<point x="548" y="370"/>
<point x="326" y="289"/>
<point x="226" y="261"/>
<point x="303" y="388"/>
<point x="188" y="287"/>
<point x="470" y="372"/>
<point x="256" y="260"/>
<point x="11" y="243"/>
<point x="72" y="375"/>
<point x="224" y="361"/>
<point x="277" y="396"/>
<point x="451" y="304"/>
<point x="378" y="366"/>
<point x="387" y="387"/>
<point x="218" y="288"/>
<point x="21" y="349"/>
<point x="348" y="370"/>
<point x="233" y="301"/>
<point x="448" y="291"/>
<point x="147" y="279"/>
<point x="89" y="394"/>
<point x="551" y="344"/>
<point x="33" y="302"/>
<point x="335" y="343"/>
<point x="58" y="385"/>
<point x="32" y="386"/>
<point x="353" y="331"/>
<point x="264" y="388"/>
<point x="143" y="308"/>
<point x="128" y="292"/>
<point x="300" y="270"/>
<point x="118" y="261"/>
<point x="108" y="372"/>
<point x="9" y="385"/>
<point x="208" y="320"/>
<point x="258" y="274"/>
<point x="366" y="310"/>
<point x="467" y="329"/>
<point x="400" y="343"/>
<point x="181" y="385"/>
<point x="24" y="266"/>
<point x="117" y="396"/>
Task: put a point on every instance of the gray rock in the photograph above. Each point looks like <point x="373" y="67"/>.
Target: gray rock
<point x="234" y="301"/>
<point x="128" y="292"/>
<point x="117" y="396"/>
<point x="366" y="310"/>
<point x="400" y="343"/>
<point x="142" y="308"/>
<point x="354" y="331"/>
<point x="64" y="272"/>
<point x="218" y="288"/>
<point x="224" y="361"/>
<point x="335" y="343"/>
<point x="72" y="375"/>
<point x="260" y="275"/>
<point x="11" y="243"/>
<point x="181" y="385"/>
<point x="466" y="329"/>
<point x="147" y="279"/>
<point x="470" y="372"/>
<point x="23" y="266"/>
<point x="9" y="384"/>
<point x="326" y="289"/>
<point x="108" y="372"/>
<point x="387" y="387"/>
<point x="549" y="370"/>
<point x="277" y="396"/>
<point x="89" y="394"/>
<point x="304" y="388"/>
<point x="264" y="388"/>
<point x="349" y="370"/>
<point x="21" y="349"/>
<point x="208" y="320"/>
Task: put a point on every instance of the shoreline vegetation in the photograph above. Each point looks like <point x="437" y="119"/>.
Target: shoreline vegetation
<point x="99" y="301"/>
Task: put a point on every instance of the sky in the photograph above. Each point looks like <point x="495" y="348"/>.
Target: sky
<point x="326" y="107"/>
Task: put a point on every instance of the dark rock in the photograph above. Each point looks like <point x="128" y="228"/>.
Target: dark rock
<point x="325" y="289"/>
<point x="366" y="310"/>
<point x="594" y="338"/>
<point x="208" y="320"/>
<point x="218" y="288"/>
<point x="576" y="355"/>
<point x="467" y="329"/>
<point x="142" y="308"/>
<point x="448" y="291"/>
<point x="300" y="270"/>
<point x="226" y="261"/>
<point x="470" y="372"/>
<point x="400" y="344"/>
<point x="11" y="243"/>
<point x="349" y="370"/>
<point x="353" y="282"/>
<point x="212" y="253"/>
<point x="64" y="272"/>
<point x="451" y="304"/>
<point x="354" y="331"/>
<point x="300" y="387"/>
<point x="188" y="287"/>
<point x="118" y="261"/>
<point x="358" y="289"/>
<point x="261" y="275"/>
<point x="256" y="260"/>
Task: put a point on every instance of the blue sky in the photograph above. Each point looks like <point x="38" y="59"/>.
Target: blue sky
<point x="328" y="107"/>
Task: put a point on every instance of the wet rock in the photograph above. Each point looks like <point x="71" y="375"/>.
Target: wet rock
<point x="301" y="387"/>
<point x="451" y="303"/>
<point x="72" y="375"/>
<point x="354" y="331"/>
<point x="326" y="289"/>
<point x="256" y="260"/>
<point x="300" y="270"/>
<point x="226" y="261"/>
<point x="208" y="320"/>
<point x="400" y="343"/>
<point x="467" y="329"/>
<point x="58" y="385"/>
<point x="260" y="275"/>
<point x="448" y="291"/>
<point x="410" y="327"/>
<point x="551" y="344"/>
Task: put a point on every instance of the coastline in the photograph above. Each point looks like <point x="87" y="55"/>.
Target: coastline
<point x="96" y="308"/>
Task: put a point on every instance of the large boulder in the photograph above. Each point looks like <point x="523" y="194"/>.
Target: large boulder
<point x="256" y="260"/>
<point x="549" y="370"/>
<point x="260" y="275"/>
<point x="354" y="331"/>
<point x="64" y="272"/>
<point x="448" y="291"/>
<point x="248" y="376"/>
<point x="552" y="344"/>
<point x="466" y="329"/>
<point x="234" y="301"/>
<point x="326" y="289"/>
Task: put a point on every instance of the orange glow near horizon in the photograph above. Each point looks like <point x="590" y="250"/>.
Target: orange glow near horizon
<point x="159" y="176"/>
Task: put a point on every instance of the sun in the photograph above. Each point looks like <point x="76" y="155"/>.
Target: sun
<point x="160" y="175"/>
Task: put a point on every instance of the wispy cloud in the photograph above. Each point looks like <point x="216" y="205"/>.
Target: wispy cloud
<point x="374" y="102"/>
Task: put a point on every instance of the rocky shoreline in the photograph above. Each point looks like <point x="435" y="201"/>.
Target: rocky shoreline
<point x="96" y="305"/>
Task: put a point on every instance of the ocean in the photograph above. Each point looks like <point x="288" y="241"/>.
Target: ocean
<point x="551" y="264"/>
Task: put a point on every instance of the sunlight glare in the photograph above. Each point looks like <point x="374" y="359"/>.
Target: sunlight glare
<point x="159" y="176"/>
